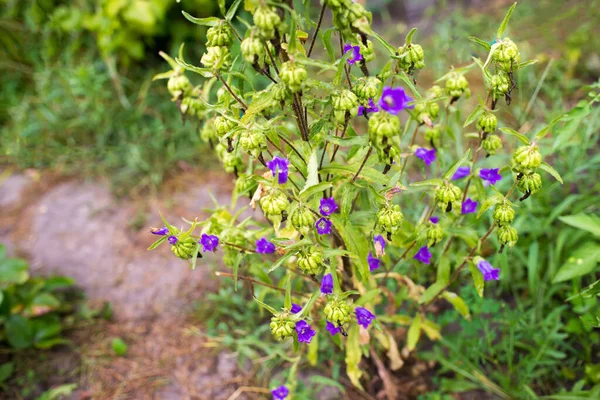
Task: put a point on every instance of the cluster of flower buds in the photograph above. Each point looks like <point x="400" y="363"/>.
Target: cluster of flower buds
<point x="223" y="125"/>
<point x="367" y="88"/>
<point x="427" y="111"/>
<point x="338" y="311"/>
<point x="525" y="160"/>
<point x="267" y="21"/>
<point x="231" y="162"/>
<point x="412" y="57"/>
<point x="183" y="247"/>
<point x="434" y="233"/>
<point x="382" y="128"/>
<point x="179" y="85"/>
<point x="345" y="105"/>
<point x="253" y="141"/>
<point x="501" y="84"/>
<point x="311" y="261"/>
<point x="503" y="216"/>
<point x="388" y="219"/>
<point x="252" y="47"/>
<point x="446" y="194"/>
<point x="433" y="135"/>
<point x="506" y="54"/>
<point x="244" y="184"/>
<point x="220" y="39"/>
<point x="275" y="205"/>
<point x="282" y="326"/>
<point x="529" y="184"/>
<point x="350" y="17"/>
<point x="456" y="86"/>
<point x="303" y="220"/>
<point x="293" y="75"/>
<point x="491" y="144"/>
<point x="366" y="49"/>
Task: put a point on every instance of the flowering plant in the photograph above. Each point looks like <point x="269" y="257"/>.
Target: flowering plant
<point x="323" y="149"/>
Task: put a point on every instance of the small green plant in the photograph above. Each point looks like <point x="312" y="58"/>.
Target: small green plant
<point x="119" y="347"/>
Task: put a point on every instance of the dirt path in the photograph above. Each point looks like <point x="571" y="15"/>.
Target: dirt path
<point x="79" y="229"/>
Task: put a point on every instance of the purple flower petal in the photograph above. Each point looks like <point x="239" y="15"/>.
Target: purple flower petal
<point x="161" y="231"/>
<point x="490" y="175"/>
<point x="327" y="284"/>
<point x="280" y="393"/>
<point x="434" y="220"/>
<point x="468" y="206"/>
<point x="489" y="272"/>
<point x="279" y="166"/>
<point x="296" y="308"/>
<point x="328" y="206"/>
<point x="209" y="242"/>
<point x="379" y="243"/>
<point x="333" y="330"/>
<point x="373" y="262"/>
<point x="394" y="100"/>
<point x="364" y="317"/>
<point x="428" y="156"/>
<point x="323" y="226"/>
<point x="263" y="246"/>
<point x="423" y="255"/>
<point x="172" y="239"/>
<point x="304" y="331"/>
<point x="461" y="172"/>
<point x="356" y="56"/>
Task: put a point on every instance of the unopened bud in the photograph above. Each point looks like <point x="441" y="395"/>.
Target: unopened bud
<point x="413" y="57"/>
<point x="311" y="261"/>
<point x="281" y="326"/>
<point x="504" y="214"/>
<point x="457" y="85"/>
<point x="491" y="144"/>
<point x="293" y="76"/>
<point x="507" y="235"/>
<point x="526" y="159"/>
<point x="219" y="35"/>
<point x="302" y="220"/>
<point x="446" y="194"/>
<point x="337" y="311"/>
<point x="389" y="217"/>
<point x="487" y="122"/>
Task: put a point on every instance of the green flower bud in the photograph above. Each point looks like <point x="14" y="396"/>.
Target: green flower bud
<point x="219" y="35"/>
<point x="504" y="214"/>
<point x="426" y="111"/>
<point x="435" y="234"/>
<point x="311" y="261"/>
<point x="382" y="126"/>
<point x="388" y="154"/>
<point x="367" y="88"/>
<point x="530" y="184"/>
<point x="216" y="57"/>
<point x="192" y="106"/>
<point x="303" y="220"/>
<point x="179" y="86"/>
<point x="209" y="131"/>
<point x="274" y="204"/>
<point x="487" y="122"/>
<point x="231" y="162"/>
<point x="359" y="18"/>
<point x="491" y="144"/>
<point x="413" y="57"/>
<point x="500" y="83"/>
<point x="336" y="5"/>
<point x="457" y="85"/>
<point x="337" y="311"/>
<point x="280" y="92"/>
<point x="252" y="49"/>
<point x="368" y="52"/>
<point x="446" y="194"/>
<point x="244" y="184"/>
<point x="389" y="217"/>
<point x="526" y="159"/>
<point x="267" y="20"/>
<point x="433" y="135"/>
<point x="252" y="142"/>
<point x="293" y="76"/>
<point x="184" y="248"/>
<point x="506" y="55"/>
<point x="224" y="125"/>
<point x="507" y="235"/>
<point x="434" y="92"/>
<point x="344" y="100"/>
<point x="281" y="326"/>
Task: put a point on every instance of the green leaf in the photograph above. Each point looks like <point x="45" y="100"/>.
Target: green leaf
<point x="58" y="282"/>
<point x="119" y="347"/>
<point x="409" y="36"/>
<point x="46" y="300"/>
<point x="157" y="243"/>
<point x="232" y="10"/>
<point x="478" y="280"/>
<point x="260" y="102"/>
<point x="454" y="167"/>
<point x="290" y="252"/>
<point x="443" y="271"/>
<point x="287" y="302"/>
<point x="390" y="49"/>
<point x="6" y="370"/>
<point x="504" y="23"/>
<point x="525" y="64"/>
<point x="13" y="270"/>
<point x="355" y="241"/>
<point x="205" y="72"/>
<point x="209" y="21"/>
<point x="586" y="222"/>
<point x="568" y="116"/>
<point x="489" y="202"/>
<point x="368" y="173"/>
<point x="307" y="193"/>
<point x="59" y="392"/>
<point x="414" y="333"/>
<point x="46" y="329"/>
<point x="19" y="332"/>
<point x="509" y="131"/>
<point x="480" y="42"/>
<point x="581" y="262"/>
<point x="221" y="6"/>
<point x="353" y="356"/>
<point x="266" y="306"/>
<point x="306" y="309"/>
<point x="474" y="115"/>
<point x="546" y="167"/>
<point x="458" y="303"/>
<point x="408" y="81"/>
<point x="313" y="172"/>
<point x="313" y="351"/>
<point x="49" y="343"/>
<point x="236" y="269"/>
<point x="428" y="182"/>
<point x="368" y="297"/>
<point x="347" y="142"/>
<point x="431" y="292"/>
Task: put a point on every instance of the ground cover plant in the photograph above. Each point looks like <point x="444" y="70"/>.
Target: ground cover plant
<point x="353" y="242"/>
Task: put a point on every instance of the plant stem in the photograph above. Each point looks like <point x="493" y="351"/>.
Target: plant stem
<point x="314" y="39"/>
<point x="238" y="247"/>
<point x="363" y="164"/>
<point x="252" y="280"/>
<point x="293" y="148"/>
<point x="412" y="142"/>
<point x="244" y="106"/>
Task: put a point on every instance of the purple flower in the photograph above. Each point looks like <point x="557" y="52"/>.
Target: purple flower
<point x="491" y="175"/>
<point x="209" y="242"/>
<point x="327" y="284"/>
<point x="323" y="226"/>
<point x="279" y="167"/>
<point x="434" y="220"/>
<point x="428" y="156"/>
<point x="356" y="56"/>
<point x="423" y="255"/>
<point x="161" y="231"/>
<point x="489" y="272"/>
<point x="379" y="243"/>
<point x="304" y="331"/>
<point x="364" y="316"/>
<point x="328" y="206"/>
<point x="394" y="100"/>
<point x="263" y="246"/>
<point x="461" y="172"/>
<point x="296" y="308"/>
<point x="332" y="328"/>
<point x="468" y="206"/>
<point x="281" y="393"/>
<point x="373" y="262"/>
<point x="371" y="108"/>
<point x="172" y="239"/>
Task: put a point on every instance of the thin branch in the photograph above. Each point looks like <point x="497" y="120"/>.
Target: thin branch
<point x="244" y="106"/>
<point x="238" y="247"/>
<point x="252" y="280"/>
<point x="412" y="142"/>
<point x="314" y="39"/>
<point x="363" y="164"/>
<point x="293" y="148"/>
